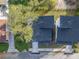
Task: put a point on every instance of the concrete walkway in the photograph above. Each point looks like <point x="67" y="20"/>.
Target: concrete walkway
<point x="61" y="56"/>
<point x="42" y="55"/>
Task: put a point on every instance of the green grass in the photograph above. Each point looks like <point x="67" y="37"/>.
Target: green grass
<point x="76" y="47"/>
<point x="3" y="47"/>
<point x="18" y="44"/>
<point x="21" y="45"/>
<point x="77" y="12"/>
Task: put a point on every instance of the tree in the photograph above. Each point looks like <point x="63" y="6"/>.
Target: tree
<point x="21" y="12"/>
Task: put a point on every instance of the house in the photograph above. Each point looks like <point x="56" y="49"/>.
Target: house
<point x="66" y="4"/>
<point x="2" y="30"/>
<point x="2" y="1"/>
<point x="3" y="20"/>
<point x="68" y="31"/>
<point x="44" y="30"/>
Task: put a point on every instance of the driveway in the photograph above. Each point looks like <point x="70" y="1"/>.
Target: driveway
<point x="42" y="55"/>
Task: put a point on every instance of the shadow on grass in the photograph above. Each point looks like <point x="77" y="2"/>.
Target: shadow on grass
<point x="17" y="2"/>
<point x="3" y="47"/>
<point x="18" y="44"/>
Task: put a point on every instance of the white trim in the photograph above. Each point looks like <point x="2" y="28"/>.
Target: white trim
<point x="3" y="18"/>
<point x="50" y="49"/>
<point x="43" y="49"/>
<point x="35" y="47"/>
<point x="68" y="49"/>
<point x="57" y="24"/>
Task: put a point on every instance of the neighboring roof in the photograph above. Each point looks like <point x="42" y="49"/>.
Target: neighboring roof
<point x="2" y="1"/>
<point x="2" y="22"/>
<point x="3" y="18"/>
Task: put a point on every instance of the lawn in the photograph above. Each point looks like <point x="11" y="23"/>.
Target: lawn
<point x="18" y="44"/>
<point x="3" y="47"/>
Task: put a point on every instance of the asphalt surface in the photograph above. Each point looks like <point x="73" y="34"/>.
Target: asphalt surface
<point x="42" y="55"/>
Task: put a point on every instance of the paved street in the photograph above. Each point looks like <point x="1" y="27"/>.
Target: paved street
<point x="42" y="55"/>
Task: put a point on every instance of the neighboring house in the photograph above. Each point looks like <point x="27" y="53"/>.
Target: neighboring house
<point x="66" y="4"/>
<point x="3" y="20"/>
<point x="2" y="30"/>
<point x="3" y="1"/>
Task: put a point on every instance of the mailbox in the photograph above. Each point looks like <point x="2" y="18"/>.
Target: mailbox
<point x="43" y="28"/>
<point x="68" y="32"/>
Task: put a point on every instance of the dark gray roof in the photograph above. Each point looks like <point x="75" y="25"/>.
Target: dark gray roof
<point x="42" y="29"/>
<point x="68" y="30"/>
<point x="44" y="22"/>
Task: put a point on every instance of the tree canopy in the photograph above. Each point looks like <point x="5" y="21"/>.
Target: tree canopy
<point x="23" y="10"/>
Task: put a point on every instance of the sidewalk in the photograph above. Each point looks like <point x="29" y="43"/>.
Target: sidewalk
<point x="42" y="55"/>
